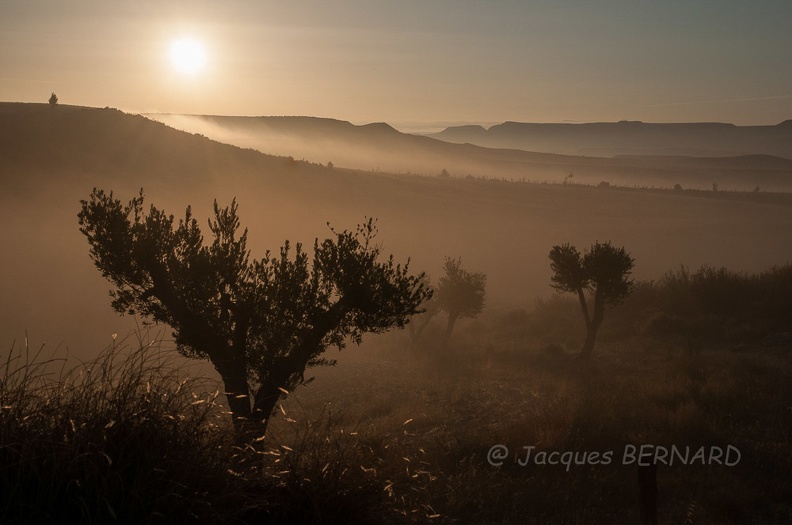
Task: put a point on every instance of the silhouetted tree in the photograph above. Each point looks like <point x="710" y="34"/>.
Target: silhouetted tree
<point x="421" y="320"/>
<point x="261" y="323"/>
<point x="603" y="271"/>
<point x="460" y="293"/>
<point x="53" y="99"/>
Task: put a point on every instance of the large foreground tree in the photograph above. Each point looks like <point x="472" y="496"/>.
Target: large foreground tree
<point x="603" y="271"/>
<point x="261" y="323"/>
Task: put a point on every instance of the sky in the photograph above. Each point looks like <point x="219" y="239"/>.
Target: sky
<point x="413" y="64"/>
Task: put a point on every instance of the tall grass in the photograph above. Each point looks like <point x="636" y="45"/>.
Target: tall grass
<point x="125" y="438"/>
<point x="131" y="437"/>
<point x="322" y="469"/>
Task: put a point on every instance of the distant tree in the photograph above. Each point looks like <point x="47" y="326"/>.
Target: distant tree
<point x="444" y="174"/>
<point x="261" y="323"/>
<point x="53" y="100"/>
<point x="714" y="186"/>
<point x="603" y="271"/>
<point x="420" y="321"/>
<point x="460" y="293"/>
<point x="677" y="187"/>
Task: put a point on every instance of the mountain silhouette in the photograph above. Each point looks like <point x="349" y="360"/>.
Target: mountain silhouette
<point x="380" y="147"/>
<point x="630" y="138"/>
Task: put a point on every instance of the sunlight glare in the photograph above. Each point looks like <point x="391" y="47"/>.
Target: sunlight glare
<point x="188" y="55"/>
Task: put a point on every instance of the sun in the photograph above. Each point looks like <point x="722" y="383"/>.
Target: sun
<point x="188" y="55"/>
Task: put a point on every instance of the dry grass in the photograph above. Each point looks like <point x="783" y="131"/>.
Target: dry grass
<point x="641" y="394"/>
<point x="127" y="437"/>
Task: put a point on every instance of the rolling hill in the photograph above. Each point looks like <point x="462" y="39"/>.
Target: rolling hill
<point x="50" y="158"/>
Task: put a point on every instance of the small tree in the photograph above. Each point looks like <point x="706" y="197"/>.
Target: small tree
<point x="603" y="271"/>
<point x="421" y="321"/>
<point x="261" y="323"/>
<point x="53" y="100"/>
<point x="460" y="293"/>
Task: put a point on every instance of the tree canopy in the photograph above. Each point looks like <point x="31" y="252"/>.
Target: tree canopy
<point x="460" y="293"/>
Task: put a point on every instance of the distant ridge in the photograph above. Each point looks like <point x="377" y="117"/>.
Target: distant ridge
<point x="607" y="139"/>
<point x="379" y="147"/>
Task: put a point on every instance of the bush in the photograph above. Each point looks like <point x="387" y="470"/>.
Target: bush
<point x="712" y="305"/>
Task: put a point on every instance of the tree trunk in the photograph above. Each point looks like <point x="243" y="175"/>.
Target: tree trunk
<point x="267" y="397"/>
<point x="449" y="328"/>
<point x="234" y="375"/>
<point x="280" y="378"/>
<point x="250" y="423"/>
<point x="592" y="326"/>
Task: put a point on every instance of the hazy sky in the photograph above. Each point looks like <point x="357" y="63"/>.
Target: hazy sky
<point x="405" y="62"/>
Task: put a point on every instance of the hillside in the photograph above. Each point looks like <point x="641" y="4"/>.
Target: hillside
<point x="50" y="158"/>
<point x="606" y="139"/>
<point x="379" y="147"/>
<point x="36" y="139"/>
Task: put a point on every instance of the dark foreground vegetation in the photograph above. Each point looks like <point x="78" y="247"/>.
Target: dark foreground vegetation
<point x="696" y="359"/>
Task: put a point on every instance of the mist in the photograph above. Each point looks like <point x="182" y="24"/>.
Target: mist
<point x="627" y="154"/>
